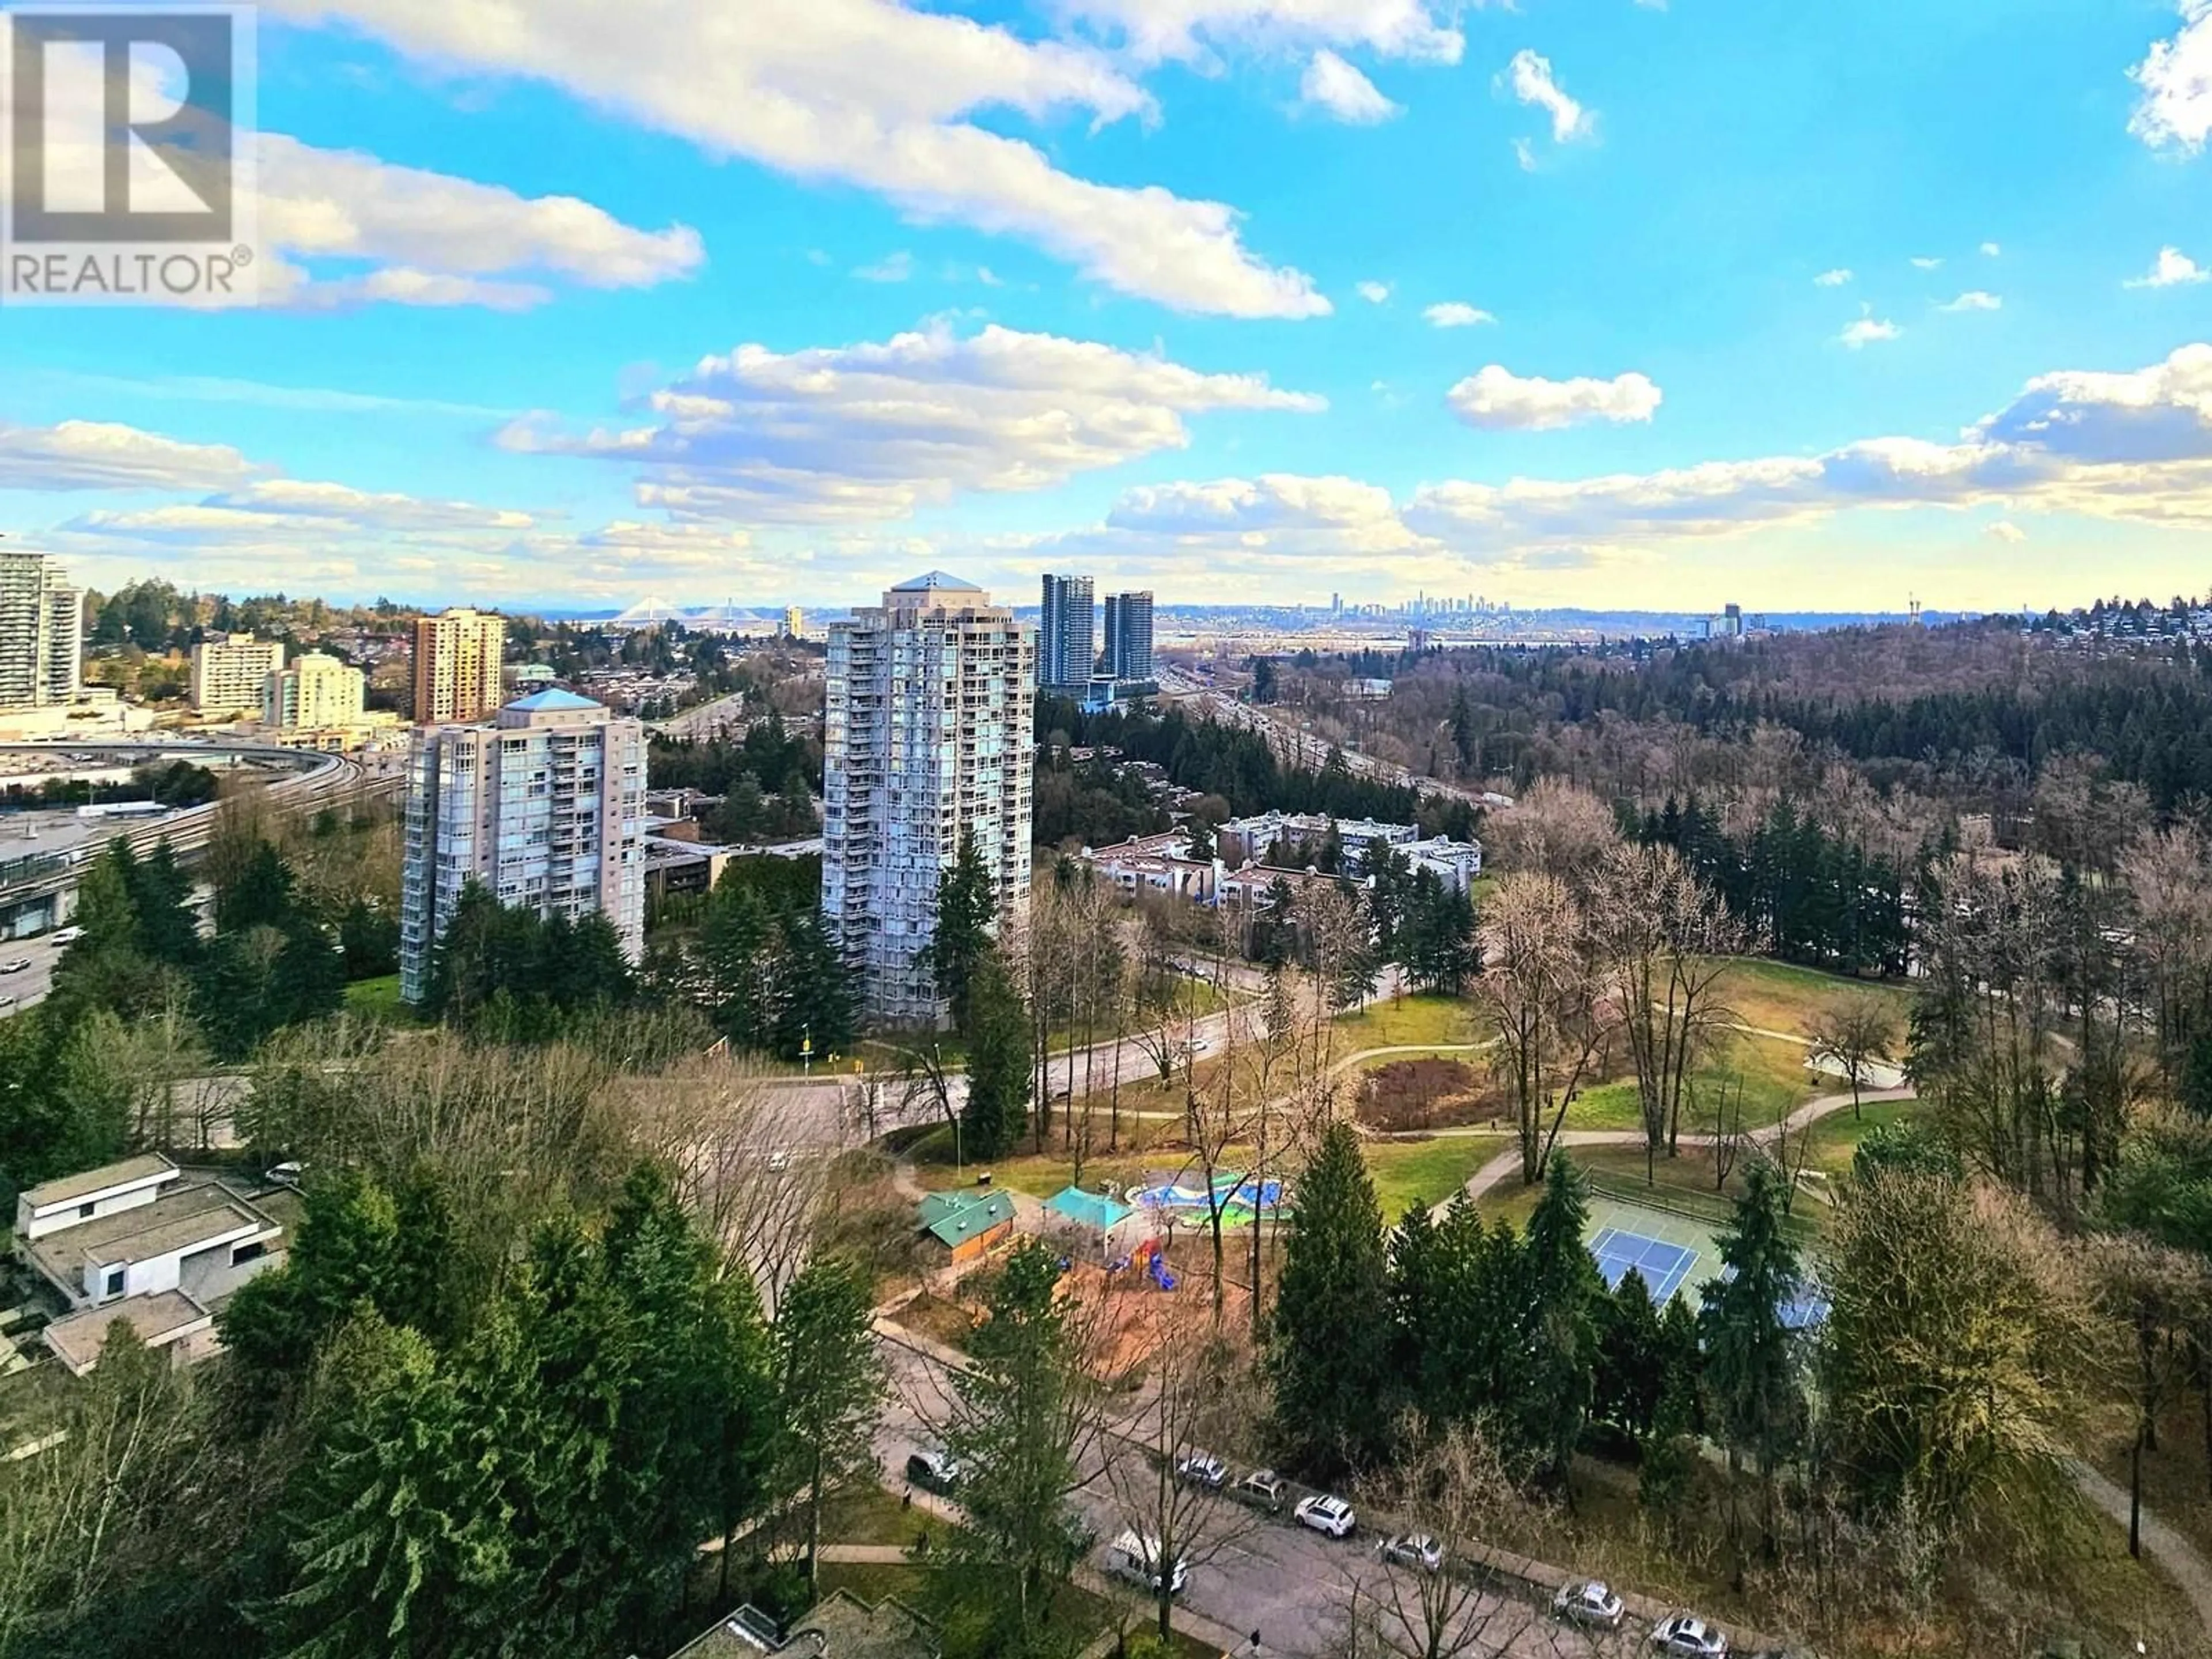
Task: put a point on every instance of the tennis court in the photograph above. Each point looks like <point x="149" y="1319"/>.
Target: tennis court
<point x="1673" y="1252"/>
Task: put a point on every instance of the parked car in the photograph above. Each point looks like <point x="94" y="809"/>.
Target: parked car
<point x="1690" y="1637"/>
<point x="1263" y="1489"/>
<point x="1327" y="1514"/>
<point x="65" y="936"/>
<point x="7" y="1002"/>
<point x="934" y="1471"/>
<point x="1135" y="1558"/>
<point x="1589" y="1601"/>
<point x="15" y="965"/>
<point x="1415" y="1549"/>
<point x="1201" y="1469"/>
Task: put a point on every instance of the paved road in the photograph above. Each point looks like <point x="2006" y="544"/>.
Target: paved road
<point x="1291" y="1585"/>
<point x="708" y="720"/>
<point x="32" y="983"/>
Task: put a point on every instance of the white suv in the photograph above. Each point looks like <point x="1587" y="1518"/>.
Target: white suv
<point x="1330" y="1514"/>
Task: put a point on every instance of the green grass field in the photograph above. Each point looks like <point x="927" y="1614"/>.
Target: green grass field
<point x="1407" y="1022"/>
<point x="1778" y="997"/>
<point x="1408" y="1173"/>
<point x="377" y="1000"/>
<point x="1772" y="1072"/>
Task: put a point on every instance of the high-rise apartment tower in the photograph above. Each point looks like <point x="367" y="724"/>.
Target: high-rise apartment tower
<point x="1129" y="636"/>
<point x="927" y="739"/>
<point x="457" y="658"/>
<point x="544" y="805"/>
<point x="1066" y="648"/>
<point x="41" y="632"/>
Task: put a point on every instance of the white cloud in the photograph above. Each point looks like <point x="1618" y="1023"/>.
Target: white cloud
<point x="1497" y="399"/>
<point x="874" y="431"/>
<point x="1991" y="250"/>
<point x="1333" y="85"/>
<point x="867" y="92"/>
<point x="1866" y="330"/>
<point x="1456" y="313"/>
<point x="2175" y="109"/>
<point x="1927" y="262"/>
<point x="2134" y="446"/>
<point x="2172" y="269"/>
<point x="339" y="227"/>
<point x="1525" y="154"/>
<point x="99" y="455"/>
<point x="2004" y="530"/>
<point x="1973" y="300"/>
<point x="1835" y="278"/>
<point x="898" y="268"/>
<point x="1193" y="31"/>
<point x="1533" y="83"/>
<point x="1374" y="292"/>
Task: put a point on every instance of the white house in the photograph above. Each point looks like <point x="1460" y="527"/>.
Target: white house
<point x="136" y="1241"/>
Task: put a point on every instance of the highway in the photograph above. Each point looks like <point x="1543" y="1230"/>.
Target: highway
<point x="314" y="782"/>
<point x="31" y="984"/>
<point x="1299" y="747"/>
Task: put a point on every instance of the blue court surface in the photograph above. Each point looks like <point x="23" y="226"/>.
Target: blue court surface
<point x="1664" y="1266"/>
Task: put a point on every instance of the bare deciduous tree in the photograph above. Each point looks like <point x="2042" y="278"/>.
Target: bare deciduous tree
<point x="1664" y="934"/>
<point x="1543" y="989"/>
<point x="1855" y="1035"/>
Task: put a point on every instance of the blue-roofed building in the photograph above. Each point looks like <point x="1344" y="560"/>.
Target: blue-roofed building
<point x="1104" y="1227"/>
<point x="544" y="805"/>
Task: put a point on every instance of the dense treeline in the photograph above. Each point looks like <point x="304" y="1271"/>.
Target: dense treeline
<point x="1808" y="896"/>
<point x="1239" y="768"/>
<point x="767" y="781"/>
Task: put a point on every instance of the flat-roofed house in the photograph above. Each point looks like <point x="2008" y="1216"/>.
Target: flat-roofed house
<point x="54" y="1205"/>
<point x="137" y="1241"/>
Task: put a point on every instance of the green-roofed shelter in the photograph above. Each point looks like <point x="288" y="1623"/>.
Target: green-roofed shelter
<point x="1100" y="1223"/>
<point x="968" y="1223"/>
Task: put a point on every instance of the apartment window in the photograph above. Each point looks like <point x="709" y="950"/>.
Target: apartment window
<point x="242" y="1253"/>
<point x="112" y="1284"/>
<point x="84" y="1211"/>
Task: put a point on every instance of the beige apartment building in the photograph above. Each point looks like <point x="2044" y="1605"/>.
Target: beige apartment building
<point x="231" y="674"/>
<point x="317" y="691"/>
<point x="457" y="659"/>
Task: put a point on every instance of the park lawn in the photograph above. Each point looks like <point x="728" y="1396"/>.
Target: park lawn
<point x="876" y="1580"/>
<point x="1836" y="1138"/>
<point x="1424" y="1173"/>
<point x="1772" y="1071"/>
<point x="378" y="1001"/>
<point x="1777" y="996"/>
<point x="1407" y="1022"/>
<point x="867" y="1513"/>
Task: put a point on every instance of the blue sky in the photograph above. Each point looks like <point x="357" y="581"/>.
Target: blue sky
<point x="1229" y="298"/>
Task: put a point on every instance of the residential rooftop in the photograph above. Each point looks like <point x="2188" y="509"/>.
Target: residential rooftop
<point x="146" y="1166"/>
<point x="170" y="1224"/>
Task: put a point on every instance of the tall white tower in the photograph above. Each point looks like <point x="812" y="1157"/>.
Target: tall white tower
<point x="927" y="739"/>
<point x="543" y="804"/>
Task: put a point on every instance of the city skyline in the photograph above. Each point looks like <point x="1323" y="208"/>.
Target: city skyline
<point x="1610" y="304"/>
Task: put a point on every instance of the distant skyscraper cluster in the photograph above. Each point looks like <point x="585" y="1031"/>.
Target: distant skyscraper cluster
<point x="41" y="632"/>
<point x="1074" y="659"/>
<point x="926" y="741"/>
